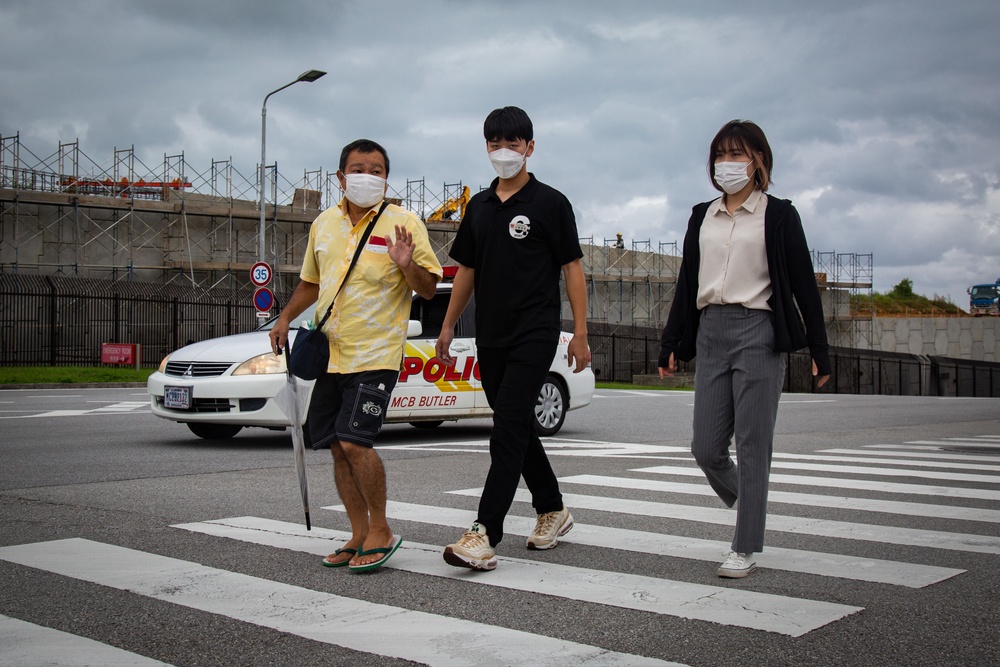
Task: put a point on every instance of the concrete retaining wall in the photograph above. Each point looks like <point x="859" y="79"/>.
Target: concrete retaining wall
<point x="976" y="338"/>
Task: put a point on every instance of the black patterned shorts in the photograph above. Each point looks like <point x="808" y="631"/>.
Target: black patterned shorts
<point x="349" y="407"/>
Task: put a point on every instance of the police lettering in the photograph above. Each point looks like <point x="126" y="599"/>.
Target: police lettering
<point x="434" y="371"/>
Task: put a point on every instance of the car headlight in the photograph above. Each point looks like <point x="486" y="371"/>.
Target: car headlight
<point x="163" y="365"/>
<point x="263" y="364"/>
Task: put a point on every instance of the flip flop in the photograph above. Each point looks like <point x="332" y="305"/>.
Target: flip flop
<point x="342" y="563"/>
<point x="388" y="551"/>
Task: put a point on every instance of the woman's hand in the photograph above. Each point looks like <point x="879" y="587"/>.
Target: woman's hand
<point x="819" y="382"/>
<point x="672" y="368"/>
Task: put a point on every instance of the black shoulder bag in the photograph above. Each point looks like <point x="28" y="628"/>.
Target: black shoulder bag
<point x="309" y="357"/>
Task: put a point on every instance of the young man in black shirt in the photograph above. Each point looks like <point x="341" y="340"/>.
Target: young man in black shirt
<point x="511" y="245"/>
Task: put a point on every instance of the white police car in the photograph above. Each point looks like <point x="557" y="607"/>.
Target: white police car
<point x="218" y="387"/>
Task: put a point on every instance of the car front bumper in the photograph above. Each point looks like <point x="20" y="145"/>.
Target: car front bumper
<point x="247" y="400"/>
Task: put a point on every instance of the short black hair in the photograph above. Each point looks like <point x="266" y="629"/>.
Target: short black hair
<point x="508" y="124"/>
<point x="363" y="146"/>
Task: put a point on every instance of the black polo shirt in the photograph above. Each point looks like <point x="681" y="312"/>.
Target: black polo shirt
<point x="517" y="248"/>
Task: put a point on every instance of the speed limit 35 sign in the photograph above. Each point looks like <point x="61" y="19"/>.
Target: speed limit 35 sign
<point x="260" y="274"/>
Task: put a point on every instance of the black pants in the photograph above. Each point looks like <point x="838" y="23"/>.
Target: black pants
<point x="512" y="378"/>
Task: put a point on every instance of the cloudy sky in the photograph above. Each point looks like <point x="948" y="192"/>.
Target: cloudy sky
<point x="884" y="116"/>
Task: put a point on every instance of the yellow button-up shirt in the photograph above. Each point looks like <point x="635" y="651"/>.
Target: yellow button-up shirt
<point x="367" y="328"/>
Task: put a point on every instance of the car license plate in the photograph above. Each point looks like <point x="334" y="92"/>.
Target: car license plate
<point x="178" y="398"/>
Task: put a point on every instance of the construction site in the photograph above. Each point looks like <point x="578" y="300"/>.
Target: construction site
<point x="69" y="223"/>
<point x="122" y="221"/>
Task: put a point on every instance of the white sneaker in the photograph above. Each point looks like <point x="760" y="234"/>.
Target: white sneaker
<point x="737" y="565"/>
<point x="472" y="550"/>
<point x="549" y="527"/>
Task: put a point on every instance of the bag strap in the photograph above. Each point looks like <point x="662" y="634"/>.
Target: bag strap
<point x="354" y="260"/>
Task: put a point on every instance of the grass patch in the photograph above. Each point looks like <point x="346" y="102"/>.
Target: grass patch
<point x="650" y="387"/>
<point x="71" y="374"/>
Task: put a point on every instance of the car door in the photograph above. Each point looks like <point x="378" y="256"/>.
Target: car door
<point x="428" y="389"/>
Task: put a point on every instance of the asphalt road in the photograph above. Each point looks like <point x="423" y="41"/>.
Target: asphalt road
<point x="126" y="540"/>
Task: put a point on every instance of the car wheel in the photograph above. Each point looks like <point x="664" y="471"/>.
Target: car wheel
<point x="214" y="431"/>
<point x="426" y="424"/>
<point x="550" y="409"/>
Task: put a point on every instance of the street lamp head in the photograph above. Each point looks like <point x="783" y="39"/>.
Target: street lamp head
<point x="311" y="75"/>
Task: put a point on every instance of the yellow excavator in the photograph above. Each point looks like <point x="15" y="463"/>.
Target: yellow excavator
<point x="452" y="209"/>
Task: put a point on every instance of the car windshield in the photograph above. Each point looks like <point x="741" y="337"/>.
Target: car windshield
<point x="984" y="292"/>
<point x="267" y="326"/>
<point x="430" y="314"/>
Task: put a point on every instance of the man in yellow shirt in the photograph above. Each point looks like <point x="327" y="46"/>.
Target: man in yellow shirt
<point x="367" y="333"/>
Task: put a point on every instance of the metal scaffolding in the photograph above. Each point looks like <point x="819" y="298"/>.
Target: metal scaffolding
<point x="174" y="225"/>
<point x="844" y="276"/>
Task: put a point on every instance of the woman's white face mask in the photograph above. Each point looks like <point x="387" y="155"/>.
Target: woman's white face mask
<point x="732" y="176"/>
<point x="364" y="190"/>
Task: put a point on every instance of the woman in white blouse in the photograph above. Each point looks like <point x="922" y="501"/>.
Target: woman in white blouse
<point x="745" y="276"/>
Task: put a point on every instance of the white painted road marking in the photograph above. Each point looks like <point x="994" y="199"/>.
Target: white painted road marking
<point x="124" y="407"/>
<point x="323" y="617"/>
<point x="791" y="560"/>
<point x="913" y="537"/>
<point x="807" y="499"/>
<point x="937" y="455"/>
<point x="747" y="609"/>
<point x="843" y="483"/>
<point x="23" y="643"/>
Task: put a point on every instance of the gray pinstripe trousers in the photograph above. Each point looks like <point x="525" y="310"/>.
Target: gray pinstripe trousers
<point x="738" y="379"/>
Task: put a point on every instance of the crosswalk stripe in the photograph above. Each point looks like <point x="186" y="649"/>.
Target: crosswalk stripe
<point x="23" y="643"/>
<point x="889" y="472"/>
<point x="323" y="617"/>
<point x="553" y="446"/>
<point x="791" y="560"/>
<point x="915" y="537"/>
<point x="803" y="462"/>
<point x="807" y="499"/>
<point x="748" y="609"/>
<point x="972" y="459"/>
<point x="951" y="448"/>
<point x="954" y="443"/>
<point x="908" y="461"/>
<point x="844" y="483"/>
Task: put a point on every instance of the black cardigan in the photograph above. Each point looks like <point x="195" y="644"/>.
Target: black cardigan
<point x="790" y="268"/>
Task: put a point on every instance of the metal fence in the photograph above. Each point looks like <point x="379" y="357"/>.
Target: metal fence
<point x="47" y="321"/>
<point x="619" y="357"/>
<point x="41" y="325"/>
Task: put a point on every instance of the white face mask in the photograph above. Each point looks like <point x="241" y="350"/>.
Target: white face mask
<point x="506" y="162"/>
<point x="732" y="176"/>
<point x="364" y="190"/>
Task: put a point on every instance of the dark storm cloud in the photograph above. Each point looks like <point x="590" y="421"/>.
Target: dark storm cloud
<point x="882" y="114"/>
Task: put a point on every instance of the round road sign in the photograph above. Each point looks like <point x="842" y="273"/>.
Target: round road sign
<point x="263" y="299"/>
<point x="260" y="274"/>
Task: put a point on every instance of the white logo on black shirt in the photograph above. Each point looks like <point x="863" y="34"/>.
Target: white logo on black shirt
<point x="519" y="227"/>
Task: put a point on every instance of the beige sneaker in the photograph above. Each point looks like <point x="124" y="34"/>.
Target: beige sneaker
<point x="549" y="527"/>
<point x="737" y="565"/>
<point x="472" y="550"/>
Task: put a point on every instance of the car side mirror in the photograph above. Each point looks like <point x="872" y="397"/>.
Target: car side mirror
<point x="414" y="329"/>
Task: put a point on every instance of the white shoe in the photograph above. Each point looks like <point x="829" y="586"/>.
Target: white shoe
<point x="549" y="527"/>
<point x="737" y="565"/>
<point x="472" y="550"/>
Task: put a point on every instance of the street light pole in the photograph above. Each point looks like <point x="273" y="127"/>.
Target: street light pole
<point x="308" y="77"/>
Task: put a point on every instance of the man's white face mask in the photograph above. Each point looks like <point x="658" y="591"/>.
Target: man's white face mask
<point x="506" y="162"/>
<point x="364" y="190"/>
